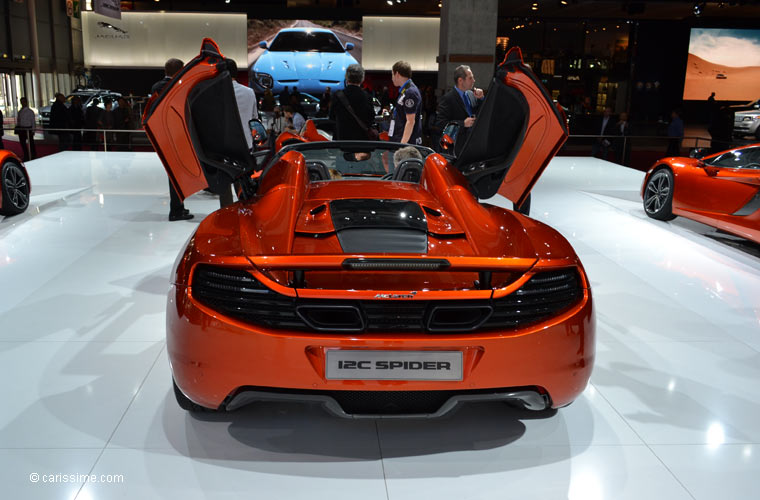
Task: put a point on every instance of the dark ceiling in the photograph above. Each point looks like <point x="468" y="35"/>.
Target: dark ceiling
<point x="729" y="12"/>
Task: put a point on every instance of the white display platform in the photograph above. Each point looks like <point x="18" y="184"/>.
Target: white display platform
<point x="672" y="411"/>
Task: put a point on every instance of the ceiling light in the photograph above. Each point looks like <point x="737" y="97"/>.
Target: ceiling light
<point x="534" y="6"/>
<point x="389" y="2"/>
<point x="699" y="7"/>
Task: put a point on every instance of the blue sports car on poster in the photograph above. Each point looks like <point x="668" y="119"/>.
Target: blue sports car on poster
<point x="308" y="58"/>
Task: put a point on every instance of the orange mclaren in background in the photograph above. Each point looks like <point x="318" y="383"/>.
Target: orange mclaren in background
<point x="721" y="190"/>
<point x="367" y="276"/>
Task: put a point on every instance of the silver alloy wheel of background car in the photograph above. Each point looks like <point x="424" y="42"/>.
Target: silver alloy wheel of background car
<point x="15" y="189"/>
<point x="658" y="195"/>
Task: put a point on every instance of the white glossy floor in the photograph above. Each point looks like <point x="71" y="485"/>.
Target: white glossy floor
<point x="673" y="410"/>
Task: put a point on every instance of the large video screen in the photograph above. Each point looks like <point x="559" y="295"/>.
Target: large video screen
<point x="724" y="61"/>
<point x="307" y="55"/>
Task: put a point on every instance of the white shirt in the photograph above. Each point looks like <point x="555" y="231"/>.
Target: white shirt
<point x="246" y="102"/>
<point x="25" y="118"/>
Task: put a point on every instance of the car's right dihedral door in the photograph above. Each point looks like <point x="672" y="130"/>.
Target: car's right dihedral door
<point x="194" y="125"/>
<point x="517" y="131"/>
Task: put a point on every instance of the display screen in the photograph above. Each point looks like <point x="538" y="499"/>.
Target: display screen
<point x="310" y="56"/>
<point x="303" y="39"/>
<point x="724" y="61"/>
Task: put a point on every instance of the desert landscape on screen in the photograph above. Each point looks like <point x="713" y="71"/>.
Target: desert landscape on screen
<point x="724" y="61"/>
<point x="703" y="77"/>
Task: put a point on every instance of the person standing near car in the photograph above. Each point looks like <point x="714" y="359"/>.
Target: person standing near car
<point x="406" y="126"/>
<point x="60" y="122"/>
<point x="25" y="129"/>
<point x="76" y="120"/>
<point x="352" y="105"/>
<point x="460" y="104"/>
<point x="295" y="120"/>
<point x="246" y="103"/>
<point x="177" y="210"/>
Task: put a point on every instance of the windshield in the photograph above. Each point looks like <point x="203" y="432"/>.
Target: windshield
<point x="354" y="160"/>
<point x="304" y="41"/>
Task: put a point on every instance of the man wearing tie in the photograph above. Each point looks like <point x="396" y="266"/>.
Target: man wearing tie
<point x="459" y="104"/>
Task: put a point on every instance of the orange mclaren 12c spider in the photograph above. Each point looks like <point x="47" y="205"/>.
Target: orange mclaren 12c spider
<point x="721" y="190"/>
<point x="367" y="276"/>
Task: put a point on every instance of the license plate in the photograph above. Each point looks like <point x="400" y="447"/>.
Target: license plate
<point x="393" y="365"/>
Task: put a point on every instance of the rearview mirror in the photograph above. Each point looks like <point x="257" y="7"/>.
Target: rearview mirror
<point x="349" y="46"/>
<point x="258" y="131"/>
<point x="263" y="44"/>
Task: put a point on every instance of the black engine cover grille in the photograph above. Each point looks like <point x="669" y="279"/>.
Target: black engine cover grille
<point x="235" y="293"/>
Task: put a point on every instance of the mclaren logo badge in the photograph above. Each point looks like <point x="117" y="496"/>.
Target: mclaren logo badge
<point x="409" y="295"/>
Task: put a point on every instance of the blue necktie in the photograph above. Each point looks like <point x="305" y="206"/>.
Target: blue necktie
<point x="467" y="105"/>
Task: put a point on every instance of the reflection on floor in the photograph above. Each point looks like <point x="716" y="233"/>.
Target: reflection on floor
<point x="671" y="413"/>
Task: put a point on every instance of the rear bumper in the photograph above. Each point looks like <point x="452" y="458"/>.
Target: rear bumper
<point x="221" y="362"/>
<point x="527" y="398"/>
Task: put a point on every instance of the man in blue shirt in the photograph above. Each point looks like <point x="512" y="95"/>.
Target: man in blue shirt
<point x="406" y="126"/>
<point x="459" y="104"/>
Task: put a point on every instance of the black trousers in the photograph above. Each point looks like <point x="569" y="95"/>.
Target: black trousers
<point x="29" y="151"/>
<point x="175" y="204"/>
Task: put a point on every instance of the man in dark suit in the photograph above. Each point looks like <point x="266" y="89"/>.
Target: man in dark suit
<point x="177" y="210"/>
<point x="460" y="104"/>
<point x="606" y="126"/>
<point x="346" y="125"/>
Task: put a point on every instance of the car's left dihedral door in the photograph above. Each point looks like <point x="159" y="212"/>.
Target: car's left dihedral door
<point x="194" y="125"/>
<point x="518" y="129"/>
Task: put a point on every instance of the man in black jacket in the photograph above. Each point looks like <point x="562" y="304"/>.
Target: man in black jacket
<point x="346" y="125"/>
<point x="460" y="104"/>
<point x="177" y="210"/>
<point x="59" y="121"/>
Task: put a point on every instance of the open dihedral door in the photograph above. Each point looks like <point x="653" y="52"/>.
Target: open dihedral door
<point x="194" y="125"/>
<point x="517" y="131"/>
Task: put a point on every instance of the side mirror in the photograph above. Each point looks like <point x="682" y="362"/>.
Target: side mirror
<point x="447" y="143"/>
<point x="263" y="44"/>
<point x="349" y="46"/>
<point x="449" y="136"/>
<point x="698" y="153"/>
<point x="258" y="131"/>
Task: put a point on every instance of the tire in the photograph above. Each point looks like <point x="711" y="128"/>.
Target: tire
<point x="658" y="195"/>
<point x="15" y="186"/>
<point x="186" y="404"/>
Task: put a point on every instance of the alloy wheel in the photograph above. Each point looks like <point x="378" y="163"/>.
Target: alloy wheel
<point x="17" y="188"/>
<point x="657" y="191"/>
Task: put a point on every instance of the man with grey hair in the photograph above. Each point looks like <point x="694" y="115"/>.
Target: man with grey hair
<point x="461" y="103"/>
<point x="406" y="153"/>
<point x="352" y="108"/>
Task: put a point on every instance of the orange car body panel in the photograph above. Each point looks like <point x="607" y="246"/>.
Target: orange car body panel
<point x="713" y="195"/>
<point x="310" y="133"/>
